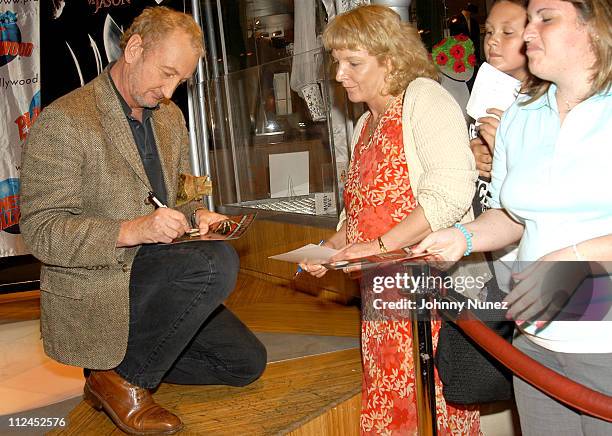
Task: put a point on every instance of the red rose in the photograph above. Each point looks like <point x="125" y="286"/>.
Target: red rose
<point x="461" y="37"/>
<point x="457" y="51"/>
<point x="459" y="67"/>
<point x="472" y="59"/>
<point x="441" y="59"/>
<point x="440" y="44"/>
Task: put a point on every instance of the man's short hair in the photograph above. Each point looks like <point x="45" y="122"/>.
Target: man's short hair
<point x="155" y="23"/>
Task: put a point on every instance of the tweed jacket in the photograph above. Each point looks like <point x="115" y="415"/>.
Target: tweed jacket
<point x="81" y="177"/>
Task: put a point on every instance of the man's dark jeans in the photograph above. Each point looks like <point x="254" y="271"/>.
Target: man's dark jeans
<point x="179" y="330"/>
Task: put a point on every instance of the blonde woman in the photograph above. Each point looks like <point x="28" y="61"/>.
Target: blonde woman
<point x="411" y="172"/>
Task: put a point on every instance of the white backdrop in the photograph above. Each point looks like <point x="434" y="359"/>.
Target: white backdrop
<point x="19" y="107"/>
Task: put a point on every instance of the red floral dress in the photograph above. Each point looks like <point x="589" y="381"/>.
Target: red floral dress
<point x="377" y="196"/>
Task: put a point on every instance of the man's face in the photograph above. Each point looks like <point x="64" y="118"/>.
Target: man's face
<point x="155" y="72"/>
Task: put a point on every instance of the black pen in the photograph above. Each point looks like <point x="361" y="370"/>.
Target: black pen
<point x="155" y="200"/>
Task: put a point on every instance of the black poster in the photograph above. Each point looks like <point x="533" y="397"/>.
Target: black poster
<point x="79" y="38"/>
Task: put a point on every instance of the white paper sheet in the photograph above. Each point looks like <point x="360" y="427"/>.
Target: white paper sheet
<point x="309" y="254"/>
<point x="492" y="89"/>
<point x="289" y="174"/>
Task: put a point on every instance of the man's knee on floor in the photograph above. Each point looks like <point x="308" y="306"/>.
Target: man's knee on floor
<point x="254" y="363"/>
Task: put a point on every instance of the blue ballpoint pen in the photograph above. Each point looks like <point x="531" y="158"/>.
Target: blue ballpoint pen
<point x="299" y="268"/>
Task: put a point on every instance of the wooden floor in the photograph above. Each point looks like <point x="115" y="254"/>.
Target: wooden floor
<point x="313" y="395"/>
<point x="289" y="395"/>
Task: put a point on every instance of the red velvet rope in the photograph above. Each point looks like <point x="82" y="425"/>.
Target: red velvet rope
<point x="548" y="381"/>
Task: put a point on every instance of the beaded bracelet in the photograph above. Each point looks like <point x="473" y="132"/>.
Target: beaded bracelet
<point x="468" y="238"/>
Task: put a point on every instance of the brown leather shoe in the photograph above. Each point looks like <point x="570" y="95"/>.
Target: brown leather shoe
<point x="131" y="408"/>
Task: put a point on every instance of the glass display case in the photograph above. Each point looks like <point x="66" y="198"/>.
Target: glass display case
<point x="273" y="142"/>
<point x="271" y="146"/>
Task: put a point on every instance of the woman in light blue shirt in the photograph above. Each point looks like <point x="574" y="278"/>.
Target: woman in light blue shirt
<point x="552" y="191"/>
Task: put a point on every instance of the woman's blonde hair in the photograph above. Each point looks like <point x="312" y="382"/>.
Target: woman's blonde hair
<point x="379" y="31"/>
<point x="155" y="23"/>
<point x="597" y="15"/>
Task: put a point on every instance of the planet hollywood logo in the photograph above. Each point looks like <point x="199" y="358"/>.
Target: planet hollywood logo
<point x="24" y="122"/>
<point x="9" y="83"/>
<point x="9" y="205"/>
<point x="11" y="45"/>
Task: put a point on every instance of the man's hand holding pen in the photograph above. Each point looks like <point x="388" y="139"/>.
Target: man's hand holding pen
<point x="163" y="225"/>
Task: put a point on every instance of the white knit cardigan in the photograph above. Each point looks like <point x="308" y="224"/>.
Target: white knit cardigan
<point x="441" y="166"/>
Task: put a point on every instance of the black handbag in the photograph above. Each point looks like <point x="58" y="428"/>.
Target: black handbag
<point x="469" y="374"/>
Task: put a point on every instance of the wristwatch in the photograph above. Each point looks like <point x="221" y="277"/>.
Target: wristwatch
<point x="193" y="216"/>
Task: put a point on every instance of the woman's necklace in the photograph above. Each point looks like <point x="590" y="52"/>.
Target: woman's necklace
<point x="373" y="124"/>
<point x="568" y="105"/>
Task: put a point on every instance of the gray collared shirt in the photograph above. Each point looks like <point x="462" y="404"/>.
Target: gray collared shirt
<point x="147" y="148"/>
